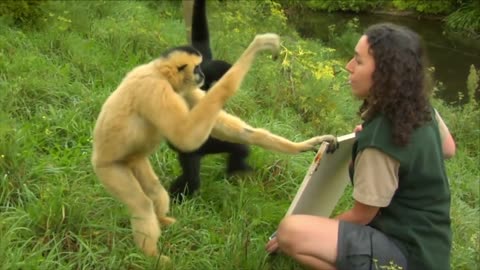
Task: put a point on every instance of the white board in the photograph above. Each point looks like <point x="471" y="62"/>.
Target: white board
<point x="325" y="181"/>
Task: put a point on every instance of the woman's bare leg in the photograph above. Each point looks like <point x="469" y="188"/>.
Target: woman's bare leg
<point x="310" y="240"/>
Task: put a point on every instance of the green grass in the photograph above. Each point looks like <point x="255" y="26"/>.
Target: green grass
<point x="55" y="75"/>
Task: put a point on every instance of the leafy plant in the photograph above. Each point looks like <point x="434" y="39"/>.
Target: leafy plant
<point x="23" y="12"/>
<point x="466" y="18"/>
<point x="426" y="6"/>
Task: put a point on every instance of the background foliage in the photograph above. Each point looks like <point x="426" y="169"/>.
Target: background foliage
<point x="458" y="15"/>
<point x="61" y="59"/>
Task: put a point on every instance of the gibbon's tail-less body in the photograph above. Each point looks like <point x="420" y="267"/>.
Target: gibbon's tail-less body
<point x="189" y="181"/>
<point x="159" y="101"/>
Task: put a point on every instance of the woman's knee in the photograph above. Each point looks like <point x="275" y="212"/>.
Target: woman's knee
<point x="288" y="231"/>
<point x="296" y="232"/>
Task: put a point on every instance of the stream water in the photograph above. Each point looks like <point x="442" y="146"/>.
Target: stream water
<point x="450" y="54"/>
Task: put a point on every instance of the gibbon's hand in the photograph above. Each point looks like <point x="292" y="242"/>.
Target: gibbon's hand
<point x="333" y="146"/>
<point x="312" y="144"/>
<point x="268" y="41"/>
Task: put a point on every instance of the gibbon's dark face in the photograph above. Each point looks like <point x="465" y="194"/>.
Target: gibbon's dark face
<point x="198" y="75"/>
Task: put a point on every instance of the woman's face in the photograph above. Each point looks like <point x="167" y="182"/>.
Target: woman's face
<point x="361" y="69"/>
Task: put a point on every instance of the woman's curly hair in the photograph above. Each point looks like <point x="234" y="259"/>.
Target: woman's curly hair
<point x="401" y="85"/>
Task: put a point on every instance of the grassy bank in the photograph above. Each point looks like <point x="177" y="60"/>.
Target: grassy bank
<point x="55" y="75"/>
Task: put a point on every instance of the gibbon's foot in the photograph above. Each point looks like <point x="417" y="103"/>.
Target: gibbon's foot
<point x="181" y="188"/>
<point x="238" y="167"/>
<point x="146" y="232"/>
<point x="165" y="260"/>
<point x="166" y="220"/>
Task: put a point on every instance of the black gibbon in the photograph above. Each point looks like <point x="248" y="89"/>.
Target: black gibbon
<point x="160" y="100"/>
<point x="189" y="181"/>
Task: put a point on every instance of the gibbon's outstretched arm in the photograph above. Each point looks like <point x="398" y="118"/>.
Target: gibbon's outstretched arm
<point x="149" y="106"/>
<point x="233" y="129"/>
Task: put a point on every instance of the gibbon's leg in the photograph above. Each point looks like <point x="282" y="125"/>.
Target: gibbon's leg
<point x="118" y="179"/>
<point x="189" y="182"/>
<point x="151" y="186"/>
<point x="237" y="159"/>
<point x="233" y="129"/>
<point x="237" y="154"/>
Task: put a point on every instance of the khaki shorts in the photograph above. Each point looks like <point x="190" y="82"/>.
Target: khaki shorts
<point x="365" y="248"/>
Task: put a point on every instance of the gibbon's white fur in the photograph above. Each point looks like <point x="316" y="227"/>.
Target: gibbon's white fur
<point x="161" y="100"/>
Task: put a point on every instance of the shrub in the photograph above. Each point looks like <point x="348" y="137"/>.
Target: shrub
<point x="466" y="18"/>
<point x="23" y="12"/>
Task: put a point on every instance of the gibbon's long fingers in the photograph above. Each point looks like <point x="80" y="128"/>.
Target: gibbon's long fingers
<point x="145" y="175"/>
<point x="313" y="143"/>
<point x="120" y="182"/>
<point x="261" y="42"/>
<point x="233" y="129"/>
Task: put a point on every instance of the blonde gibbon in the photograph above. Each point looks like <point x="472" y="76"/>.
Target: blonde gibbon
<point x="161" y="100"/>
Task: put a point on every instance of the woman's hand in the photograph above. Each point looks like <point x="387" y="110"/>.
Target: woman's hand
<point x="272" y="245"/>
<point x="357" y="128"/>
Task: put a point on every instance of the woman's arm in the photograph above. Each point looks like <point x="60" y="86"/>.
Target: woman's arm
<point x="360" y="213"/>
<point x="448" y="143"/>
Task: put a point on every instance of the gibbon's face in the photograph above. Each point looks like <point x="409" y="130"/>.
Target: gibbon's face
<point x="185" y="71"/>
<point x="361" y="69"/>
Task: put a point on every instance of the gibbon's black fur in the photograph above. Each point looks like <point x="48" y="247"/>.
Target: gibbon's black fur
<point x="189" y="181"/>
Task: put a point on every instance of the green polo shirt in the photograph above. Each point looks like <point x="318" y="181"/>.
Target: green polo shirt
<point x="418" y="216"/>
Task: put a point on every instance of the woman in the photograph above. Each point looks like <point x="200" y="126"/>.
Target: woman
<point x="400" y="215"/>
